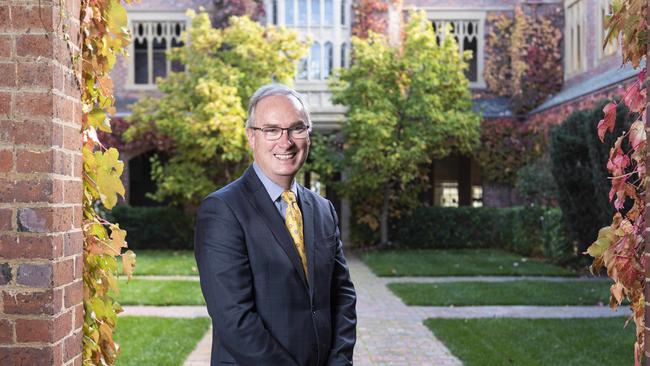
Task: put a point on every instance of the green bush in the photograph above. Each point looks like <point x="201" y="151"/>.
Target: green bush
<point x="579" y="162"/>
<point x="155" y="227"/>
<point x="535" y="182"/>
<point x="531" y="230"/>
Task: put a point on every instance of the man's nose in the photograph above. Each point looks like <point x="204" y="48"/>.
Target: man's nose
<point x="285" y="139"/>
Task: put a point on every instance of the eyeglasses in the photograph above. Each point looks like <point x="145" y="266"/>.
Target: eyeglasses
<point x="274" y="133"/>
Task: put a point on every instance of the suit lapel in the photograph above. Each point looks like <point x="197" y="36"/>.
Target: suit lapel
<point x="308" y="223"/>
<point x="262" y="202"/>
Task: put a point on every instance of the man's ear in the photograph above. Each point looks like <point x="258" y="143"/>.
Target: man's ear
<point x="250" y="134"/>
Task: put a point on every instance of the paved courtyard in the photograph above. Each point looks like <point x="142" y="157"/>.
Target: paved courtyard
<point x="389" y="332"/>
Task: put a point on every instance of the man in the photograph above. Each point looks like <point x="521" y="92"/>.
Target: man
<point x="269" y="253"/>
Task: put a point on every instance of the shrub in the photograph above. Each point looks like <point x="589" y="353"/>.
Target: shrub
<point x="525" y="230"/>
<point x="535" y="182"/>
<point x="155" y="227"/>
<point x="579" y="161"/>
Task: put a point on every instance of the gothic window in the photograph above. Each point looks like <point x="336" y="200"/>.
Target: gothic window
<point x="329" y="60"/>
<point x="329" y="12"/>
<point x="274" y="10"/>
<point x="344" y="55"/>
<point x="466" y="33"/>
<point x="302" y="68"/>
<point x="302" y="12"/>
<point x="151" y="40"/>
<point x="314" y="62"/>
<point x="343" y="12"/>
<point x="575" y="37"/>
<point x="315" y="12"/>
<point x="288" y="13"/>
<point x="605" y="10"/>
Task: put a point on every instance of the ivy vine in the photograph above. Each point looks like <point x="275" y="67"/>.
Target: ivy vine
<point x="620" y="247"/>
<point x="104" y="36"/>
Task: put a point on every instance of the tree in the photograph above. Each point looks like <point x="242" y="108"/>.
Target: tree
<point x="406" y="106"/>
<point x="203" y="109"/>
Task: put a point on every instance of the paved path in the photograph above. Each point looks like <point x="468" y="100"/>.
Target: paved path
<point x="389" y="332"/>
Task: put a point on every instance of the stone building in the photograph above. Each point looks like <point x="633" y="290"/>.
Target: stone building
<point x="590" y="73"/>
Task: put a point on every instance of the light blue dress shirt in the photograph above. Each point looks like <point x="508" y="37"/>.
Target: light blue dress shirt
<point x="274" y="190"/>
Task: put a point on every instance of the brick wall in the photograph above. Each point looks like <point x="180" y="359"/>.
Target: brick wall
<point x="41" y="290"/>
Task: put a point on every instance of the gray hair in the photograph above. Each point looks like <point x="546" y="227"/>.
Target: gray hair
<point x="269" y="90"/>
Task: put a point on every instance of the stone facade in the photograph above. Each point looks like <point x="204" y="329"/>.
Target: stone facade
<point x="41" y="288"/>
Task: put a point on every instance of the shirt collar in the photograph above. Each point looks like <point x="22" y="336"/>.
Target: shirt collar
<point x="274" y="190"/>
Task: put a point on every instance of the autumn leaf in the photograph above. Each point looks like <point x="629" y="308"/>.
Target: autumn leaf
<point x="608" y="122"/>
<point x="109" y="170"/>
<point x="606" y="237"/>
<point x="128" y="263"/>
<point x="637" y="134"/>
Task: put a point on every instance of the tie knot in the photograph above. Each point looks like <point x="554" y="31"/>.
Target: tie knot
<point x="289" y="197"/>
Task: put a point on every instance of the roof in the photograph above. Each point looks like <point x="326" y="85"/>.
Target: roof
<point x="589" y="86"/>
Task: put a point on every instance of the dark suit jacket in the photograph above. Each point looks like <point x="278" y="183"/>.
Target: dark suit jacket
<point x="263" y="310"/>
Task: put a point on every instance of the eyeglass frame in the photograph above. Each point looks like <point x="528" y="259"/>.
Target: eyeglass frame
<point x="288" y="129"/>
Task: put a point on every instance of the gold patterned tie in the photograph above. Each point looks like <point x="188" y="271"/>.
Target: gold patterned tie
<point x="293" y="220"/>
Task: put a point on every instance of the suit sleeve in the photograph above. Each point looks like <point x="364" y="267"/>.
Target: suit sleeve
<point x="344" y="299"/>
<point x="227" y="285"/>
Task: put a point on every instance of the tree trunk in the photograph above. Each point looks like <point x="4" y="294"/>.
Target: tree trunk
<point x="384" y="217"/>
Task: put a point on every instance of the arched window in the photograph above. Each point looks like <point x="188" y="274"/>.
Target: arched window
<point x="274" y="10"/>
<point x="329" y="12"/>
<point x="314" y="61"/>
<point x="315" y="12"/>
<point x="344" y="55"/>
<point x="288" y="13"/>
<point x="302" y="12"/>
<point x="302" y="68"/>
<point x="329" y="60"/>
<point x="343" y="14"/>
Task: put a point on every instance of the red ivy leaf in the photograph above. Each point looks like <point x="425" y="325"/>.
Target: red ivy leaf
<point x="607" y="123"/>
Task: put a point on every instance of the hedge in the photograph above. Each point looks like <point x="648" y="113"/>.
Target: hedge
<point x="155" y="227"/>
<point x="531" y="231"/>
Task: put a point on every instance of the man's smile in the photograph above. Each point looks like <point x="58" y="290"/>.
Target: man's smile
<point x="285" y="156"/>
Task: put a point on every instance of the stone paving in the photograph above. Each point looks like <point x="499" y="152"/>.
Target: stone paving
<point x="389" y="332"/>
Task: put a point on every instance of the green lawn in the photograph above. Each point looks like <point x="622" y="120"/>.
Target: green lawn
<point x="503" y="293"/>
<point x="537" y="342"/>
<point x="164" y="262"/>
<point x="157" y="341"/>
<point x="474" y="262"/>
<point x="145" y="292"/>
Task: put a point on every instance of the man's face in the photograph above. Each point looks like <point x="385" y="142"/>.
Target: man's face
<point x="280" y="159"/>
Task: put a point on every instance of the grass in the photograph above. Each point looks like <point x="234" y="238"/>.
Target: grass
<point x="537" y="342"/>
<point x="460" y="262"/>
<point x="145" y="292"/>
<point x="157" y="341"/>
<point x="165" y="262"/>
<point x="503" y="293"/>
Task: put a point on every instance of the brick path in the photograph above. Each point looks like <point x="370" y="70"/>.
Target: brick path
<point x="389" y="332"/>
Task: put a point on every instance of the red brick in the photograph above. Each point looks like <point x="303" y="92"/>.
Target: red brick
<point x="42" y="302"/>
<point x="25" y="190"/>
<point x="34" y="75"/>
<point x="77" y="165"/>
<point x="72" y="138"/>
<point x="35" y="275"/>
<point x="34" y="161"/>
<point x="30" y="19"/>
<point x="78" y="316"/>
<point x="63" y="272"/>
<point x="6" y="160"/>
<point x="7" y="131"/>
<point x="72" y="346"/>
<point x="78" y="266"/>
<point x="44" y="219"/>
<point x="34" y="45"/>
<point x="39" y="133"/>
<point x="6" y="218"/>
<point x="5" y="18"/>
<point x="6" y="45"/>
<point x="33" y="330"/>
<point x="62" y="163"/>
<point x="27" y="246"/>
<point x="6" y="331"/>
<point x="5" y="104"/>
<point x="73" y="294"/>
<point x="73" y="243"/>
<point x="27" y="356"/>
<point x="77" y="216"/>
<point x="73" y="191"/>
<point x="34" y="105"/>
<point x="8" y="72"/>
